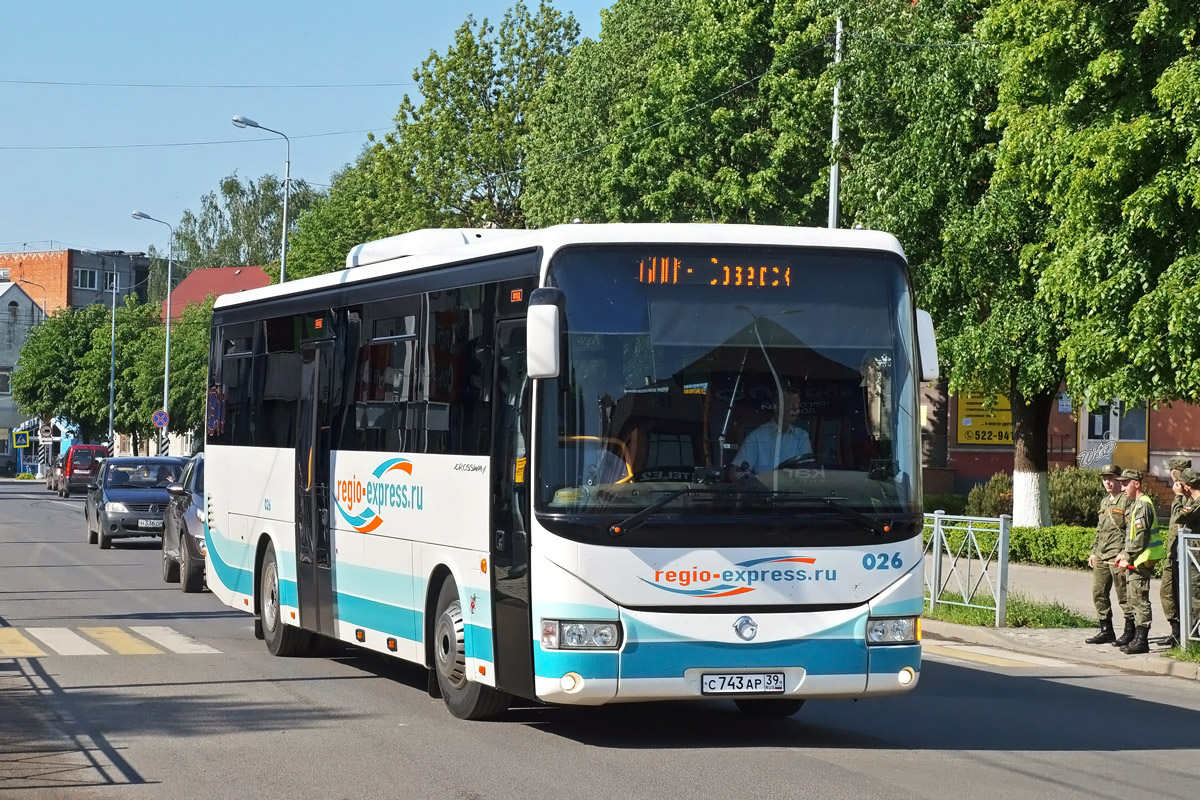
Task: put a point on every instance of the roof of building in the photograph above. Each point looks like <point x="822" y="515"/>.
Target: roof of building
<point x="200" y="284"/>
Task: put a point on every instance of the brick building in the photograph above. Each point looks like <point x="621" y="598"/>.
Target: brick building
<point x="965" y="443"/>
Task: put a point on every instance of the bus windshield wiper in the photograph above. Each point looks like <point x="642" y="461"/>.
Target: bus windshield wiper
<point x="875" y="526"/>
<point x="637" y="518"/>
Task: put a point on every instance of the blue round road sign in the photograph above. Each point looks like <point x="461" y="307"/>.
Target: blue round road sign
<point x="159" y="419"/>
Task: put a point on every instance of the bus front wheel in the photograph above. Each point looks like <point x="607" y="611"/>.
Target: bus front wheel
<point x="282" y="639"/>
<point x="465" y="698"/>
<point x="769" y="708"/>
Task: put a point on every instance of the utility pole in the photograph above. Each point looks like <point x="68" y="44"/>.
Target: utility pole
<point x="112" y="368"/>
<point x="834" y="167"/>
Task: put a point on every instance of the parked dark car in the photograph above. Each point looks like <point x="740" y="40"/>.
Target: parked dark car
<point x="79" y="467"/>
<point x="183" y="529"/>
<point x="129" y="498"/>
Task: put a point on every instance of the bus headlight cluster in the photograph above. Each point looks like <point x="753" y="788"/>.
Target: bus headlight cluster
<point x="894" y="630"/>
<point x="569" y="634"/>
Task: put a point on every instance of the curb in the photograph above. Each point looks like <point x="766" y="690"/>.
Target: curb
<point x="971" y="634"/>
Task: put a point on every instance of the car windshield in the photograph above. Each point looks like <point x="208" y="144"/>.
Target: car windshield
<point x="778" y="376"/>
<point x="142" y="475"/>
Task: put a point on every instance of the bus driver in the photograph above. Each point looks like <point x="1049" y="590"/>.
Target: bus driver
<point x="768" y="446"/>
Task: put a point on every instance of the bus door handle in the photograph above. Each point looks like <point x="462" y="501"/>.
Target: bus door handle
<point x="502" y="541"/>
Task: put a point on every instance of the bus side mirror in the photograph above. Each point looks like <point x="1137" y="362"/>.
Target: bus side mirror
<point x="543" y="334"/>
<point x="927" y="346"/>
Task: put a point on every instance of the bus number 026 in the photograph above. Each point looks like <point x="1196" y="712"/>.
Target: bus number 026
<point x="882" y="561"/>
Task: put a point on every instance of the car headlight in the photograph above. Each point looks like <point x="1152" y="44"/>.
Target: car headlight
<point x="116" y="508"/>
<point x="568" y="634"/>
<point x="894" y="630"/>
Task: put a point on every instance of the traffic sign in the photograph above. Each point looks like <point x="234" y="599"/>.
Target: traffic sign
<point x="159" y="419"/>
<point x="45" y="432"/>
<point x="20" y="438"/>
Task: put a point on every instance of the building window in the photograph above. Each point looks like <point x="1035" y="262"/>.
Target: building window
<point x="1132" y="427"/>
<point x="111" y="278"/>
<point x="14" y="311"/>
<point x="85" y="279"/>
<point x="5" y="380"/>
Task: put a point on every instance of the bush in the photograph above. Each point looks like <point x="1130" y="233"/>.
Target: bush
<point x="993" y="498"/>
<point x="1075" y="496"/>
<point x="1057" y="546"/>
<point x="25" y="476"/>
<point x="950" y="503"/>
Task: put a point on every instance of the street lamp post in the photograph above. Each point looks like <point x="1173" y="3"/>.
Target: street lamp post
<point x="163" y="443"/>
<point x="245" y="122"/>
<point x="45" y="296"/>
<point x="112" y="367"/>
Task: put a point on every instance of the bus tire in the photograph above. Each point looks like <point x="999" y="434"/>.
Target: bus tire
<point x="775" y="709"/>
<point x="282" y="639"/>
<point x="465" y="698"/>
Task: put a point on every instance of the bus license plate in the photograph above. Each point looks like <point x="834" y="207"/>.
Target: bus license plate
<point x="742" y="683"/>
<point x="150" y="523"/>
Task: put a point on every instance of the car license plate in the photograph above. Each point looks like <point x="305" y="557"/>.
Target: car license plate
<point x="742" y="683"/>
<point x="150" y="523"/>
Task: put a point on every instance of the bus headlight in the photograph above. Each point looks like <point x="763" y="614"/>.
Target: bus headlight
<point x="569" y="634"/>
<point x="894" y="630"/>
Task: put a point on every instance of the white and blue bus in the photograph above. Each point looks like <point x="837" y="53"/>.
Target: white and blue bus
<point x="582" y="465"/>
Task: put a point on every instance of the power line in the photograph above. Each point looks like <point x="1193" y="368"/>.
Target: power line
<point x="897" y="43"/>
<point x="96" y="84"/>
<point x="175" y="144"/>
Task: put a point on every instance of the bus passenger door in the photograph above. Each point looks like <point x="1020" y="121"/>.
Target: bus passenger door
<point x="512" y="627"/>
<point x="314" y="580"/>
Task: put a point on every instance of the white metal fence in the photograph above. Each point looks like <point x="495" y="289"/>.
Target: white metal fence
<point x="1188" y="544"/>
<point x="968" y="557"/>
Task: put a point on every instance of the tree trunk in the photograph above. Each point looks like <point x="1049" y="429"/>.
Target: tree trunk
<point x="1031" y="427"/>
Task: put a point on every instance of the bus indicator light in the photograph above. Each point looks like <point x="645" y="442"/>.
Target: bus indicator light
<point x="515" y="295"/>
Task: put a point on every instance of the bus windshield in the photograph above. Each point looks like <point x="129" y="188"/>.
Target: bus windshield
<point x="779" y="378"/>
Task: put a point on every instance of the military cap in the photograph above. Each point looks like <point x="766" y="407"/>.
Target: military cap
<point x="1111" y="470"/>
<point x="1179" y="462"/>
<point x="1131" y="475"/>
<point x="1189" y="476"/>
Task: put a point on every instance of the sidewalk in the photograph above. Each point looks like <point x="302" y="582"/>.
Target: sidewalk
<point x="1072" y="588"/>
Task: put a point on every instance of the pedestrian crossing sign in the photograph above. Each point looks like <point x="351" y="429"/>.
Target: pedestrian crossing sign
<point x="20" y="438"/>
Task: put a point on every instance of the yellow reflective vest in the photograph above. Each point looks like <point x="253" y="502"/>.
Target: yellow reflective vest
<point x="1143" y="522"/>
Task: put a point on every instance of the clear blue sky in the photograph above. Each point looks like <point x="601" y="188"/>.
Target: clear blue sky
<point x="82" y="198"/>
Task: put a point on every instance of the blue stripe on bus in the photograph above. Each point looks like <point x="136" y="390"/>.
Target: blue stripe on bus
<point x="233" y="578"/>
<point x="591" y="664"/>
<point x="816" y="656"/>
<point x="893" y="658"/>
<point x="405" y="623"/>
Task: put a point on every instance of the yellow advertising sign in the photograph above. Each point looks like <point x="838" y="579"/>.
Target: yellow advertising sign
<point x="979" y="426"/>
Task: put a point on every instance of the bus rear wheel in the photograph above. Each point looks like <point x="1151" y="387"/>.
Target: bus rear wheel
<point x="282" y="640"/>
<point x="769" y="708"/>
<point x="465" y="698"/>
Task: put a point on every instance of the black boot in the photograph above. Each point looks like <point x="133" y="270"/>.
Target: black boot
<point x="1126" y="637"/>
<point x="1173" y="639"/>
<point x="1140" y="643"/>
<point x="1105" y="635"/>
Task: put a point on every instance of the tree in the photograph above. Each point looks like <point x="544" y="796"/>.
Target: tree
<point x="576" y="113"/>
<point x="336" y="222"/>
<point x="92" y="377"/>
<point x="457" y="159"/>
<point x="239" y="225"/>
<point x="1100" y="108"/>
<point x="45" y="371"/>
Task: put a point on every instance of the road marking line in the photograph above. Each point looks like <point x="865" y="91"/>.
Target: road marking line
<point x="173" y="640"/>
<point x="966" y="655"/>
<point x="14" y="645"/>
<point x="1027" y="658"/>
<point x="120" y="642"/>
<point x="65" y="642"/>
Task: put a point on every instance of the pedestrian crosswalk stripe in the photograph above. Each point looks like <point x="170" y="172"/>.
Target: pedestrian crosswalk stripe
<point x="65" y="642"/>
<point x="120" y="641"/>
<point x="173" y="640"/>
<point x="14" y="645"/>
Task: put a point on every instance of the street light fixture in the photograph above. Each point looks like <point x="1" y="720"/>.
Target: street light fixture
<point x="45" y="297"/>
<point x="240" y="121"/>
<point x="163" y="443"/>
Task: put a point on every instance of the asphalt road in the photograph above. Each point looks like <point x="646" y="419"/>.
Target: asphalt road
<point x="204" y="712"/>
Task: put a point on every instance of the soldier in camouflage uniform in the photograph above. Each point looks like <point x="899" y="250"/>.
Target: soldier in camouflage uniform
<point x="1143" y="546"/>
<point x="1189" y="517"/>
<point x="1169" y="594"/>
<point x="1110" y="537"/>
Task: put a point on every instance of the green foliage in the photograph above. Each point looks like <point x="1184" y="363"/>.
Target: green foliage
<point x="24" y="476"/>
<point x="92" y="377"/>
<point x="1057" y="546"/>
<point x="458" y="158"/>
<point x="44" y="380"/>
<point x="1020" y="612"/>
<point x="954" y="504"/>
<point x="336" y="222"/>
<point x="1075" y="496"/>
<point x="991" y="499"/>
